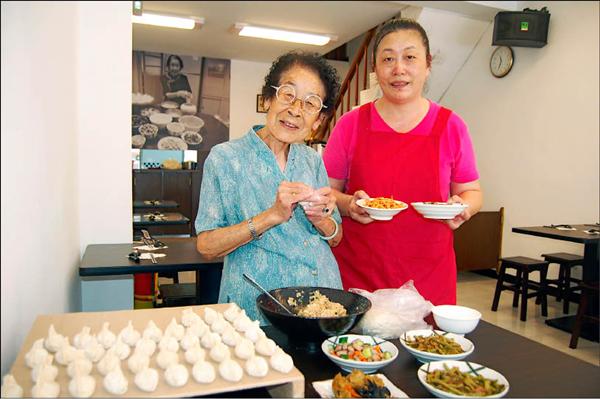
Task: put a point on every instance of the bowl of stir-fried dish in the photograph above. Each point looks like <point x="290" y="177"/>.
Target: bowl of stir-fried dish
<point x="315" y="312"/>
<point x="432" y="345"/>
<point x="382" y="208"/>
<point x="361" y="352"/>
<point x="460" y="379"/>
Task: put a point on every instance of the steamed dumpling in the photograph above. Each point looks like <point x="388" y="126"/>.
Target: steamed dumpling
<point x="195" y="354"/>
<point x="257" y="366"/>
<point x="108" y="363"/>
<point x="188" y="317"/>
<point x="203" y="372"/>
<point x="232" y="312"/>
<point x="177" y="375"/>
<point x="230" y="370"/>
<point x="165" y="358"/>
<point x="219" y="325"/>
<point x="45" y="389"/>
<point x="147" y="379"/>
<point x="106" y="337"/>
<point x="121" y="349"/>
<point x="230" y="336"/>
<point x="210" y="315"/>
<point x="53" y="341"/>
<point x="44" y="371"/>
<point x="198" y="329"/>
<point x="10" y="387"/>
<point x="175" y="330"/>
<point x="130" y="335"/>
<point x="82" y="386"/>
<point x="115" y="382"/>
<point x="254" y="332"/>
<point x="94" y="351"/>
<point x="242" y="323"/>
<point x="145" y="346"/>
<point x="266" y="346"/>
<point x="37" y="354"/>
<point x="244" y="349"/>
<point x="137" y="362"/>
<point x="79" y="366"/>
<point x="210" y="339"/>
<point x="189" y="341"/>
<point x="282" y="362"/>
<point x="168" y="343"/>
<point x="152" y="332"/>
<point x="66" y="354"/>
<point x="83" y="338"/>
<point x="219" y="352"/>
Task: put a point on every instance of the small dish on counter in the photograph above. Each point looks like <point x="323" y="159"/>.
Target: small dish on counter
<point x="456" y="319"/>
<point x="138" y="141"/>
<point x="366" y="346"/>
<point x="192" y="138"/>
<point x="160" y="119"/>
<point x="175" y="128"/>
<point x="169" y="105"/>
<point x="172" y="143"/>
<point x="464" y="346"/>
<point x="192" y="122"/>
<point x="325" y="388"/>
<point x="148" y="130"/>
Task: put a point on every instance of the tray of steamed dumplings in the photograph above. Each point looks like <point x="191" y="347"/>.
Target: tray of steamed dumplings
<point x="166" y="352"/>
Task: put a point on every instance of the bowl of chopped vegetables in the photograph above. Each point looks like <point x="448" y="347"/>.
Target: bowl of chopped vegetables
<point x="361" y="352"/>
<point x="432" y="345"/>
<point x="460" y="379"/>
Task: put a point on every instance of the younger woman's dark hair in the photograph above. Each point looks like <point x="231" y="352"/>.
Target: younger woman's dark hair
<point x="178" y="58"/>
<point x="397" y="24"/>
<point x="313" y="61"/>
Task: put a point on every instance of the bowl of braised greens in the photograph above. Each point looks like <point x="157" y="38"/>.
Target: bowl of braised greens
<point x="460" y="379"/>
<point x="359" y="352"/>
<point x="432" y="345"/>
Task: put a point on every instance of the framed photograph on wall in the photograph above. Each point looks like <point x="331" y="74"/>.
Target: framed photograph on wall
<point x="260" y="107"/>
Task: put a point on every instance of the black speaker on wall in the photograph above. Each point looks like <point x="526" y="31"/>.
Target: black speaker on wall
<point x="527" y="28"/>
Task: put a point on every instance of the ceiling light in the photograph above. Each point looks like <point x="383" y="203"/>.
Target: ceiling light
<point x="168" y="21"/>
<point x="283" y="35"/>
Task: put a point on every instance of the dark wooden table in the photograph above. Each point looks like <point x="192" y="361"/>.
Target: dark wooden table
<point x="159" y="204"/>
<point x="532" y="369"/>
<point x="591" y="266"/>
<point x="109" y="261"/>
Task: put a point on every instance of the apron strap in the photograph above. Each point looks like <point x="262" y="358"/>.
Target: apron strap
<point x="440" y="122"/>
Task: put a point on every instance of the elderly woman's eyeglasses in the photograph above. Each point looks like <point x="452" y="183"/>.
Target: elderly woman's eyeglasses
<point x="311" y="104"/>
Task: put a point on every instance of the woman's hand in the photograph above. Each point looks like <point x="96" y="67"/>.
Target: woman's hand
<point x="356" y="212"/>
<point x="319" y="206"/>
<point x="460" y="218"/>
<point x="286" y="200"/>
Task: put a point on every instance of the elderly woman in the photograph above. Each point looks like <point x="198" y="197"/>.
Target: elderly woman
<point x="252" y="186"/>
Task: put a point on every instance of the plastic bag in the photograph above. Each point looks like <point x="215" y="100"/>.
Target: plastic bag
<point x="393" y="311"/>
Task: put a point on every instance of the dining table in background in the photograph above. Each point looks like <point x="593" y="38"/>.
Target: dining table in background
<point x="591" y="266"/>
<point x="106" y="272"/>
<point x="155" y="204"/>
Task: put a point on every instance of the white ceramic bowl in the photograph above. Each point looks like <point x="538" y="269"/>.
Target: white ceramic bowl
<point x="175" y="128"/>
<point x="464" y="367"/>
<point x="365" y="367"/>
<point x="424" y="357"/>
<point x="148" y="130"/>
<point x="169" y="105"/>
<point x="188" y="108"/>
<point x="456" y="319"/>
<point x="160" y="119"/>
<point x="192" y="122"/>
<point x="138" y="141"/>
<point x="382" y="214"/>
<point x="439" y="210"/>
<point x="192" y="138"/>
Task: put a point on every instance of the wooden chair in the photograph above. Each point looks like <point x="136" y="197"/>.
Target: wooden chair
<point x="566" y="262"/>
<point x="478" y="242"/>
<point x="523" y="266"/>
<point x="588" y="291"/>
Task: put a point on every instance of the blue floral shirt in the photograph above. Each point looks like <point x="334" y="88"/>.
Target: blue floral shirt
<point x="240" y="180"/>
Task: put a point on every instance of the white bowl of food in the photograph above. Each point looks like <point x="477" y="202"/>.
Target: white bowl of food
<point x="432" y="345"/>
<point x="192" y="122"/>
<point x="188" y="108"/>
<point x="361" y="352"/>
<point x="148" y="130"/>
<point x="456" y="319"/>
<point x="192" y="138"/>
<point x="439" y="210"/>
<point x="172" y="143"/>
<point x="160" y="119"/>
<point x="138" y="141"/>
<point x="483" y="382"/>
<point x="175" y="128"/>
<point x="382" y="208"/>
<point x="175" y="113"/>
<point x="141" y="99"/>
<point x="169" y="105"/>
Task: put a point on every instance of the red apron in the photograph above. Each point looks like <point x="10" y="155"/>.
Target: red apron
<point x="386" y="254"/>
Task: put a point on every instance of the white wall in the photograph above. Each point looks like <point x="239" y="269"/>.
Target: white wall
<point x="65" y="101"/>
<point x="536" y="131"/>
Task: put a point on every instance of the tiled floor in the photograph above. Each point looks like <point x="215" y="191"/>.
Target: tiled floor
<point x="477" y="292"/>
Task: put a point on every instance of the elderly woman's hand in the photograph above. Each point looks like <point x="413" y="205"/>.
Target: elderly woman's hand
<point x="356" y="212"/>
<point x="319" y="205"/>
<point x="288" y="196"/>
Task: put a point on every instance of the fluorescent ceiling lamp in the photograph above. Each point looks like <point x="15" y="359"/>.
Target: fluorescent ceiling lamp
<point x="283" y="35"/>
<point x="167" y="21"/>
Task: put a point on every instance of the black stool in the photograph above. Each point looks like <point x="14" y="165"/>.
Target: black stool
<point x="523" y="266"/>
<point x="178" y="294"/>
<point x="587" y="291"/>
<point x="563" y="282"/>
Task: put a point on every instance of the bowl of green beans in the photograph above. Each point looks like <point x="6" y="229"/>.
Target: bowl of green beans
<point x="433" y="345"/>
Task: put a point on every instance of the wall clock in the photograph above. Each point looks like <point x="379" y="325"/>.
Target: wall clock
<point x="501" y="61"/>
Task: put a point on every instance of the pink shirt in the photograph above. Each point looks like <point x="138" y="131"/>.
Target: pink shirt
<point x="457" y="158"/>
